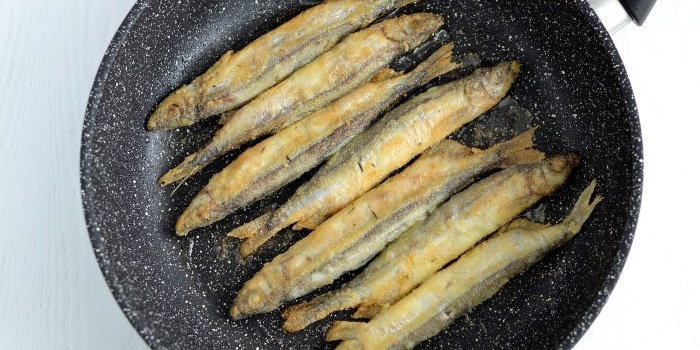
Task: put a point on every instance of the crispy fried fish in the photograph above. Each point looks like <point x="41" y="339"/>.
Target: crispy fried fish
<point x="357" y="233"/>
<point x="425" y="248"/>
<point x="239" y="77"/>
<point x="391" y="143"/>
<point x="298" y="148"/>
<point x="471" y="280"/>
<point x="351" y="63"/>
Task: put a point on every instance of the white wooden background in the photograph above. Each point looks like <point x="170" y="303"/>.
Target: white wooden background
<point x="53" y="296"/>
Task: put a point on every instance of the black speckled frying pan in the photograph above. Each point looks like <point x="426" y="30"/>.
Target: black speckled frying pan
<point x="176" y="291"/>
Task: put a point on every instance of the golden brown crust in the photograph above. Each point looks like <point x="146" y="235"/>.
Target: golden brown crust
<point x="391" y="143"/>
<point x="307" y="91"/>
<point x="441" y="171"/>
<point x="466" y="283"/>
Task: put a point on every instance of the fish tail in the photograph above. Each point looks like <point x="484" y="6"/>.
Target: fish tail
<point x="519" y="150"/>
<point x="181" y="172"/>
<point x="568" y="228"/>
<point x="254" y="234"/>
<point x="344" y="330"/>
<point x="582" y="209"/>
<point x="252" y="228"/>
<point x="300" y="316"/>
<point x="176" y="110"/>
<point x="521" y="224"/>
<point x="439" y="63"/>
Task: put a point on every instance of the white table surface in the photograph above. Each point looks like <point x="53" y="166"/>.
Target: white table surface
<point x="53" y="296"/>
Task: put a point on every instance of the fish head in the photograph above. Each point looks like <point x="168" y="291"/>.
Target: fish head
<point x="177" y="110"/>
<point x="547" y="176"/>
<point x="498" y="79"/>
<point x="255" y="297"/>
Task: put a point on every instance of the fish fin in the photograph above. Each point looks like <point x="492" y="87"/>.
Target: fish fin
<point x="251" y="245"/>
<point x="519" y="150"/>
<point x="385" y="74"/>
<point x="439" y="63"/>
<point x="522" y="224"/>
<point x="583" y="208"/>
<point x="254" y="234"/>
<point x="343" y="330"/>
<point x="219" y="65"/>
<point x="368" y="311"/>
<point x="300" y="316"/>
<point x="182" y="182"/>
<point x="450" y="148"/>
<point x="180" y="173"/>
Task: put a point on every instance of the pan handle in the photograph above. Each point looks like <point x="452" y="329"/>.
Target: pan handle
<point x="638" y="9"/>
<point x="615" y="14"/>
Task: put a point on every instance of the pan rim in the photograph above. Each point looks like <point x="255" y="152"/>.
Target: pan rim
<point x="137" y="320"/>
<point x="587" y="318"/>
<point x="94" y="232"/>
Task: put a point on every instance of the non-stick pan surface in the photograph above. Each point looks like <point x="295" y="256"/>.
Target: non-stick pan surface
<point x="176" y="291"/>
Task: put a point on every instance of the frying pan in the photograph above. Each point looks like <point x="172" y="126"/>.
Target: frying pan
<point x="176" y="291"/>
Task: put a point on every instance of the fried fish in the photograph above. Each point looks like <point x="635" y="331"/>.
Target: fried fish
<point x="298" y="148"/>
<point x="238" y="77"/>
<point x="357" y="233"/>
<point x="388" y="145"/>
<point x="452" y="229"/>
<point x="471" y="280"/>
<point x="348" y="65"/>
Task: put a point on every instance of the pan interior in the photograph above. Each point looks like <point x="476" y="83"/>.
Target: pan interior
<point x="176" y="291"/>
